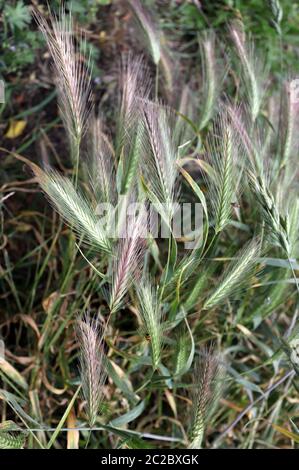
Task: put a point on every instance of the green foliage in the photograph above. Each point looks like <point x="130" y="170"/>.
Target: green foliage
<point x="17" y="16"/>
<point x="18" y="41"/>
<point x="86" y="10"/>
<point x="11" y="436"/>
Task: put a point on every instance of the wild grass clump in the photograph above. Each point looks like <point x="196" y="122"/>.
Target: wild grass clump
<point x="154" y="303"/>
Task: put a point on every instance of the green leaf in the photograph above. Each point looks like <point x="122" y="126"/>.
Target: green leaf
<point x="11" y="435"/>
<point x="196" y="189"/>
<point x="189" y="361"/>
<point x="129" y="416"/>
<point x="122" y="383"/>
<point x="17" y="16"/>
<point x="135" y="443"/>
<point x="63" y="419"/>
<point x="13" y="374"/>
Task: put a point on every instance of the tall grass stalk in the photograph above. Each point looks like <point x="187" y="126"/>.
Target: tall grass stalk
<point x="92" y="364"/>
<point x="208" y="384"/>
<point x="73" y="80"/>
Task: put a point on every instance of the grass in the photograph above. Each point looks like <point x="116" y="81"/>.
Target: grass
<point x="130" y="342"/>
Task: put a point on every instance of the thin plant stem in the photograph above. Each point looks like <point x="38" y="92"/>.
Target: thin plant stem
<point x="166" y="268"/>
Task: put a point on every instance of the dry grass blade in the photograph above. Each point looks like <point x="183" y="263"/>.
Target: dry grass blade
<point x="92" y="364"/>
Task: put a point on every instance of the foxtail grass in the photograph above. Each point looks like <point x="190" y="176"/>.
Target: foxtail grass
<point x="72" y="77"/>
<point x="73" y="207"/>
<point x="151" y="314"/>
<point x="253" y="73"/>
<point x="225" y="157"/>
<point x="126" y="266"/>
<point x="101" y="163"/>
<point x="277" y="224"/>
<point x="135" y="87"/>
<point x="92" y="364"/>
<point x="134" y="158"/>
<point x="235" y="274"/>
<point x="208" y="383"/>
<point x="159" y="161"/>
<point x="210" y="79"/>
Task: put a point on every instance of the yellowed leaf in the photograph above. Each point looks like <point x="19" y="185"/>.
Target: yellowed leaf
<point x="12" y="373"/>
<point x="54" y="390"/>
<point x="29" y="321"/>
<point x="286" y="432"/>
<point x="15" y="129"/>
<point x="244" y="330"/>
<point x="72" y="434"/>
<point x="118" y="370"/>
<point x="171" y="402"/>
<point x="50" y="301"/>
